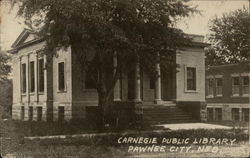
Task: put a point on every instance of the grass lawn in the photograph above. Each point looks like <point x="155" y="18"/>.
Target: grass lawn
<point x="237" y="124"/>
<point x="107" y="145"/>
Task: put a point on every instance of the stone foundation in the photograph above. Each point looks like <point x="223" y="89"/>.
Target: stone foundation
<point x="197" y="109"/>
<point x="227" y="110"/>
<point x="17" y="110"/>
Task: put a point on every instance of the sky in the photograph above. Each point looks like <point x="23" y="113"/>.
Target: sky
<point x="11" y="26"/>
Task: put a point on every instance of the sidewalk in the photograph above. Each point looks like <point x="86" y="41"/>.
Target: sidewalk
<point x="180" y="126"/>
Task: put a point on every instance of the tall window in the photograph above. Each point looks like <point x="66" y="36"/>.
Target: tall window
<point x="23" y="69"/>
<point x="210" y="87"/>
<point x="210" y="114"/>
<point x="245" y="85"/>
<point x="235" y="114"/>
<point x="245" y="114"/>
<point x="32" y="76"/>
<point x="22" y="112"/>
<point x="30" y="113"/>
<point x="236" y="86"/>
<point x="191" y="78"/>
<point x="218" y="84"/>
<point x="39" y="113"/>
<point x="89" y="82"/>
<point x="218" y="113"/>
<point x="61" y="76"/>
<point x="41" y="75"/>
<point x="61" y="113"/>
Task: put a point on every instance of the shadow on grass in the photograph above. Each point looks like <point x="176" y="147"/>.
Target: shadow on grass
<point x="105" y="145"/>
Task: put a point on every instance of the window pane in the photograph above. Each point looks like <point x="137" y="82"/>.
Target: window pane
<point x="219" y="82"/>
<point x="218" y="114"/>
<point x="218" y="86"/>
<point x="236" y="87"/>
<point x="22" y="113"/>
<point x="210" y="114"/>
<point x="235" y="114"/>
<point x="210" y="86"/>
<point x="60" y="113"/>
<point x="246" y="80"/>
<point x="61" y="77"/>
<point x="245" y="114"/>
<point x="32" y="76"/>
<point x="236" y="81"/>
<point x="191" y="78"/>
<point x="245" y="89"/>
<point x="23" y="78"/>
<point x="41" y="75"/>
<point x="30" y="113"/>
<point x="39" y="113"/>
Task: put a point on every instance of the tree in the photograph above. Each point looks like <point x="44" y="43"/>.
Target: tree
<point x="230" y="38"/>
<point x="5" y="98"/>
<point x="4" y="66"/>
<point x="133" y="30"/>
<point x="5" y="85"/>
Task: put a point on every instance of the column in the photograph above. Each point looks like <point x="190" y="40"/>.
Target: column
<point x="28" y="79"/>
<point x="46" y="67"/>
<point x="137" y="97"/>
<point x="21" y="80"/>
<point x="117" y="88"/>
<point x="158" y="99"/>
<point x="36" y="78"/>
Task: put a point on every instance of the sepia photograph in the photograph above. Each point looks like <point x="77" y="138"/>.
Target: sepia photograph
<point x="124" y="78"/>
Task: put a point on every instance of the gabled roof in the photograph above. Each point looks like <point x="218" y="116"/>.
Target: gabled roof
<point x="25" y="38"/>
<point x="21" y="38"/>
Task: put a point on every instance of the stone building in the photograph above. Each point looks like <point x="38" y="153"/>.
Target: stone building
<point x="56" y="89"/>
<point x="227" y="92"/>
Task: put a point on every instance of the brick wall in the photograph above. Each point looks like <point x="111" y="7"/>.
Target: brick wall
<point x="226" y="72"/>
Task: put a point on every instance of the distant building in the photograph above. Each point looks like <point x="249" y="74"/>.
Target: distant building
<point x="227" y="92"/>
<point x="56" y="88"/>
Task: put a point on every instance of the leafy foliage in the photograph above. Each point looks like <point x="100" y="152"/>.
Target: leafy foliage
<point x="5" y="98"/>
<point x="230" y="38"/>
<point x="4" y="65"/>
<point x="130" y="29"/>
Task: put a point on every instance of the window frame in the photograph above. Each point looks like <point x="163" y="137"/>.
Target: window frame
<point x="234" y="114"/>
<point x="32" y="84"/>
<point x="218" y="114"/>
<point x="216" y="86"/>
<point x="244" y="86"/>
<point x="22" y="111"/>
<point x="30" y="113"/>
<point x="39" y="113"/>
<point x="61" y="109"/>
<point x="235" y="86"/>
<point x="58" y="77"/>
<point x="195" y="79"/>
<point x="23" y="78"/>
<point x="210" y="114"/>
<point x="245" y="113"/>
<point x="40" y="80"/>
<point x="208" y="88"/>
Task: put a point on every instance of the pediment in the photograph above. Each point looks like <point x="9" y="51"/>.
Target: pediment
<point x="25" y="37"/>
<point x="30" y="37"/>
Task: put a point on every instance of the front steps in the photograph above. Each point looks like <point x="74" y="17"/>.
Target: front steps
<point x="165" y="113"/>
